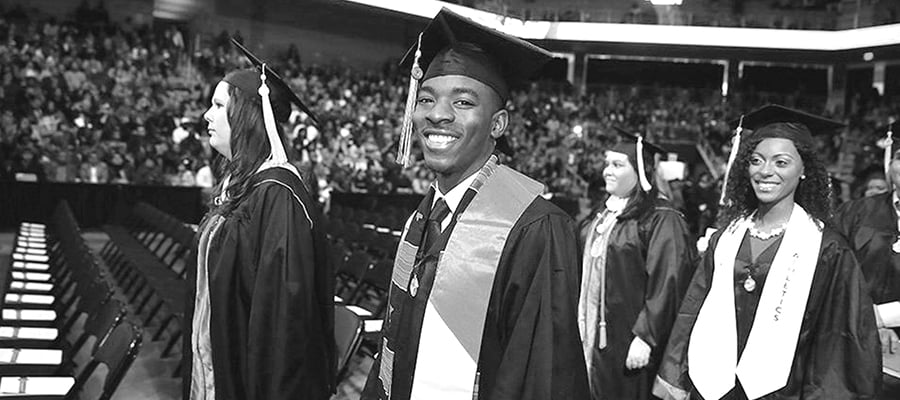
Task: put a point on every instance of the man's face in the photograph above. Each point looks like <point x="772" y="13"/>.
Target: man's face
<point x="453" y="120"/>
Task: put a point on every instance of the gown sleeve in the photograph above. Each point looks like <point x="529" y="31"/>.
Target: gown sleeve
<point x="845" y="219"/>
<point x="286" y="350"/>
<point x="535" y="325"/>
<point x="672" y="381"/>
<point x="845" y="355"/>
<point x="670" y="262"/>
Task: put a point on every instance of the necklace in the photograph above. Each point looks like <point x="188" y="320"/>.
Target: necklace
<point x="766" y="236"/>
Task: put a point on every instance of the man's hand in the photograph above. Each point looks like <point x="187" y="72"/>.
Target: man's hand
<point x="890" y="343"/>
<point x="638" y="354"/>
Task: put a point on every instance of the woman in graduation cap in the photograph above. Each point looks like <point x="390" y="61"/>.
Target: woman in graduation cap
<point x="777" y="308"/>
<point x="260" y="315"/>
<point x="638" y="259"/>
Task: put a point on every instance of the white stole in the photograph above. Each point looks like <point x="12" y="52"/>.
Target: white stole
<point x="767" y="359"/>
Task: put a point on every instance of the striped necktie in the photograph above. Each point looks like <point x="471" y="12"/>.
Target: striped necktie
<point x="433" y="225"/>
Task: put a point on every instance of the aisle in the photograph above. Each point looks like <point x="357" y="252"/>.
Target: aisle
<point x="149" y="378"/>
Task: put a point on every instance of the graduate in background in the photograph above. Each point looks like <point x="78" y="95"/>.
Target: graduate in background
<point x="485" y="281"/>
<point x="260" y="312"/>
<point x="870" y="224"/>
<point x="778" y="307"/>
<point x="639" y="256"/>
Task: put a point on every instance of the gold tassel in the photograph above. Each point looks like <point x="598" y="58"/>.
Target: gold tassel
<point x="735" y="146"/>
<point x="277" y="155"/>
<point x="887" y="151"/>
<point x="406" y="126"/>
<point x="602" y="340"/>
<point x="639" y="154"/>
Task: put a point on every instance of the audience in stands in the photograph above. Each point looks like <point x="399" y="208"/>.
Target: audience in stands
<point x="120" y="103"/>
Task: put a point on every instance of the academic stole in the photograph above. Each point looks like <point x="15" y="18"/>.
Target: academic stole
<point x="765" y="364"/>
<point x="593" y="275"/>
<point x="465" y="273"/>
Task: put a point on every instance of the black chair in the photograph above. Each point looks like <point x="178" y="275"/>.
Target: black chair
<point x="348" y="329"/>
<point x="373" y="288"/>
<point x="117" y="352"/>
<point x="98" y="325"/>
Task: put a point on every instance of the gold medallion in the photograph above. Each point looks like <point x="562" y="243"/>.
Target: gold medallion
<point x="414" y="286"/>
<point x="749" y="284"/>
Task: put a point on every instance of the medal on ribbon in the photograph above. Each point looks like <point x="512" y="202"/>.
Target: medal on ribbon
<point x="749" y="284"/>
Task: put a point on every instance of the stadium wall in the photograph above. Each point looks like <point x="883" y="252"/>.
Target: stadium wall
<point x="119" y="10"/>
<point x="324" y="31"/>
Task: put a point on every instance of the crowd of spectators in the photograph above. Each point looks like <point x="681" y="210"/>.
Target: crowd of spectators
<point x="91" y="101"/>
<point x="776" y="14"/>
<point x="99" y="102"/>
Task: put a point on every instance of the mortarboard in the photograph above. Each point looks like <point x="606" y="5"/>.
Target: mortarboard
<point x="776" y="121"/>
<point x="454" y="45"/>
<point x="275" y="95"/>
<point x="280" y="94"/>
<point x="633" y="144"/>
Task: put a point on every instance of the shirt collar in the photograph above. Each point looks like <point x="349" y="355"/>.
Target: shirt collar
<point x="616" y="204"/>
<point x="455" y="195"/>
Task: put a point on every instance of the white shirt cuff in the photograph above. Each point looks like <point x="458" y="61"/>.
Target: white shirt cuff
<point x="889" y="314"/>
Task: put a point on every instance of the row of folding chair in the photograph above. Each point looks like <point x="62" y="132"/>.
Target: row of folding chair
<point x="361" y="280"/>
<point x="165" y="236"/>
<point x="175" y="239"/>
<point x="148" y="258"/>
<point x="53" y="282"/>
<point x="389" y="216"/>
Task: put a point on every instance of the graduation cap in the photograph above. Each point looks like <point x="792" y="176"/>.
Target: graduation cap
<point x="454" y="45"/>
<point x="276" y="97"/>
<point x="777" y="121"/>
<point x="281" y="96"/>
<point x="633" y="144"/>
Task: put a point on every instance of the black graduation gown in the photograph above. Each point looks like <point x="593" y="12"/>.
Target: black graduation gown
<point x="870" y="226"/>
<point x="530" y="348"/>
<point x="271" y="296"/>
<point x="649" y="262"/>
<point x="838" y="354"/>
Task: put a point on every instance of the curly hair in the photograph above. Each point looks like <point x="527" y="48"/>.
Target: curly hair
<point x="249" y="147"/>
<point x="812" y="193"/>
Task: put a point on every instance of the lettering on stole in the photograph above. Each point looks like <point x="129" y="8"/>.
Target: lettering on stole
<point x="784" y="288"/>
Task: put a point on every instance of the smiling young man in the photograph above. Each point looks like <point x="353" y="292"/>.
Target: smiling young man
<point x="485" y="283"/>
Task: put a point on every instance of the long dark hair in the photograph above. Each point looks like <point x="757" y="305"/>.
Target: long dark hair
<point x="249" y="147"/>
<point x="812" y="193"/>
